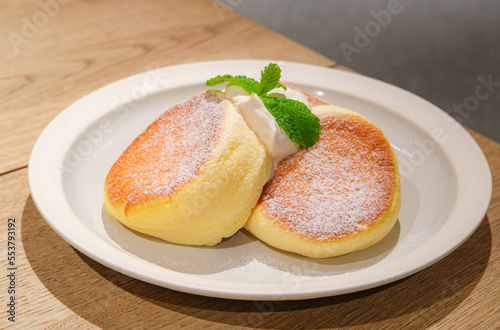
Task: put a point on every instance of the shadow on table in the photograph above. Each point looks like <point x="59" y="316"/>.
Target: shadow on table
<point x="107" y="298"/>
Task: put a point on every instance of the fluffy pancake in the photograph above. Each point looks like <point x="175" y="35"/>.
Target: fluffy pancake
<point x="192" y="177"/>
<point x="339" y="196"/>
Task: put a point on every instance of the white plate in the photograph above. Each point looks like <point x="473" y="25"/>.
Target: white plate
<point x="446" y="187"/>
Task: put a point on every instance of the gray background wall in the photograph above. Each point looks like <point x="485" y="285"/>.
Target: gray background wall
<point x="439" y="50"/>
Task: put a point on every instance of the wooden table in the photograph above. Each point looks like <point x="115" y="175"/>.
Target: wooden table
<point x="54" y="52"/>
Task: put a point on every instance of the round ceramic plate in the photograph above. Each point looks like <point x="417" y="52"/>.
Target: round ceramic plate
<point x="446" y="187"/>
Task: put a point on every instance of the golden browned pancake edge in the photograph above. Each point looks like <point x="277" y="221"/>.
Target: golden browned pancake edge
<point x="339" y="196"/>
<point x="192" y="177"/>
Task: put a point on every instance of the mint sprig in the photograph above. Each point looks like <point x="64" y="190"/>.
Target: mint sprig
<point x="269" y="79"/>
<point x="294" y="117"/>
<point x="248" y="84"/>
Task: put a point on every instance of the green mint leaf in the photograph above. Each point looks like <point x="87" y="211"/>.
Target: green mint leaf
<point x="298" y="122"/>
<point x="248" y="84"/>
<point x="278" y="95"/>
<point x="269" y="78"/>
<point x="295" y="118"/>
<point x="219" y="80"/>
<point x="282" y="86"/>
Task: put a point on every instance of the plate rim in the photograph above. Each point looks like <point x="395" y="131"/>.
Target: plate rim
<point x="254" y="291"/>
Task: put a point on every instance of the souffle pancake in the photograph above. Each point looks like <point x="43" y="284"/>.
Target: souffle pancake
<point x="339" y="196"/>
<point x="192" y="177"/>
<point x="298" y="173"/>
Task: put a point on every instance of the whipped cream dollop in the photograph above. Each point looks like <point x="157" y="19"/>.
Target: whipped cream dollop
<point x="262" y="122"/>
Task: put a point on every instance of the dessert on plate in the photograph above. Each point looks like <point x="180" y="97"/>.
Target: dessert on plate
<point x="339" y="196"/>
<point x="298" y="173"/>
<point x="192" y="177"/>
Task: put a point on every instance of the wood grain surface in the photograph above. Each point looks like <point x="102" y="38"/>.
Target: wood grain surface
<point x="89" y="44"/>
<point x="85" y="45"/>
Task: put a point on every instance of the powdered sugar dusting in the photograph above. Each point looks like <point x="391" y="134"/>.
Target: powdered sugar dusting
<point x="338" y="187"/>
<point x="169" y="153"/>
